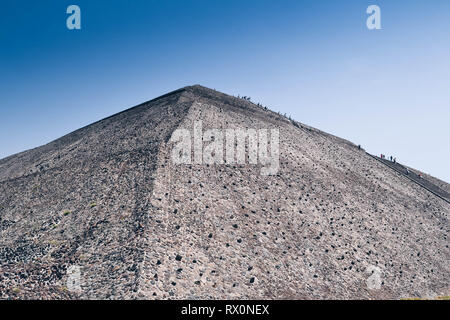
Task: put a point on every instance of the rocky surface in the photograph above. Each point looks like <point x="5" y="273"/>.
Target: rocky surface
<point x="332" y="223"/>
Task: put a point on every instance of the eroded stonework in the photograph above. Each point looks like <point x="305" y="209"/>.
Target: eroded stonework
<point x="107" y="199"/>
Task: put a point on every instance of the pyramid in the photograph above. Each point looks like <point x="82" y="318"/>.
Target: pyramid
<point x="106" y="213"/>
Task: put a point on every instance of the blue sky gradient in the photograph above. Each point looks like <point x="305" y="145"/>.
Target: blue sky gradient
<point x="388" y="90"/>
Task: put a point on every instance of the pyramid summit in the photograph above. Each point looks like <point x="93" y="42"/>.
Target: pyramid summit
<point x="106" y="213"/>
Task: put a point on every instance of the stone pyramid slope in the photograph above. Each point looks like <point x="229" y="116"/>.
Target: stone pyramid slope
<point x="109" y="201"/>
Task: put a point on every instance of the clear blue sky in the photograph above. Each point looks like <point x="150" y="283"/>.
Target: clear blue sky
<point x="388" y="90"/>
